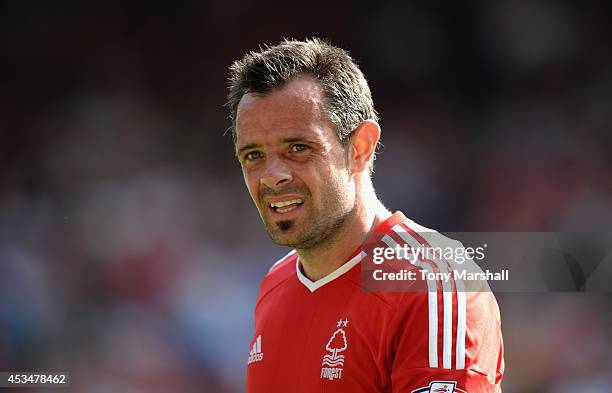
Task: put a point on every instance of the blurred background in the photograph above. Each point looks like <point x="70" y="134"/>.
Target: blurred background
<point x="130" y="252"/>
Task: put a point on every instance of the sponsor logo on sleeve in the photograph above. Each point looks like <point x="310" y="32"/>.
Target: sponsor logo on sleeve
<point x="439" y="387"/>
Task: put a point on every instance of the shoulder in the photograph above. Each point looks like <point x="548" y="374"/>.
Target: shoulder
<point x="279" y="272"/>
<point x="460" y="320"/>
<point x="442" y="254"/>
<point x="282" y="262"/>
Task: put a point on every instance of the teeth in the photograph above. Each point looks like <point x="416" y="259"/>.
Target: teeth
<point x="285" y="203"/>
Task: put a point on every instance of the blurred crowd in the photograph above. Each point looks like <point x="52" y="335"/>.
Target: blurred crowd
<point x="130" y="252"/>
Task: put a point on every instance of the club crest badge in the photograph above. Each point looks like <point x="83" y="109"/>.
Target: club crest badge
<point x="333" y="360"/>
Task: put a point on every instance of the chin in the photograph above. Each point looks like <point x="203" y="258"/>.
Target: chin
<point x="290" y="238"/>
<point x="281" y="240"/>
<point x="284" y="235"/>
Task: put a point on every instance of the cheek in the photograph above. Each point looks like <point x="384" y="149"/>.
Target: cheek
<point x="324" y="185"/>
<point x="251" y="183"/>
<point x="337" y="186"/>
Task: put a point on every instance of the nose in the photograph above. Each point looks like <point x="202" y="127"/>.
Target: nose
<point x="276" y="174"/>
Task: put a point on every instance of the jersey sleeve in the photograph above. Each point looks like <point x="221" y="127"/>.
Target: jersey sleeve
<point x="445" y="342"/>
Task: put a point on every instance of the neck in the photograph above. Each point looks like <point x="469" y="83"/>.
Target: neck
<point x="322" y="260"/>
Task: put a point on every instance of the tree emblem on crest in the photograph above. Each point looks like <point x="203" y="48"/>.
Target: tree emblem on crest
<point x="335" y="345"/>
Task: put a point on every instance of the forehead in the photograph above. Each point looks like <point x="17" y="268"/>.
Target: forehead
<point x="297" y="107"/>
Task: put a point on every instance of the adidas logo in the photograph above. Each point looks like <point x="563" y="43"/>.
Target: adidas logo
<point x="256" y="355"/>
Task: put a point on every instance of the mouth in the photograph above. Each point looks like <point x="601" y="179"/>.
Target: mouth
<point x="286" y="206"/>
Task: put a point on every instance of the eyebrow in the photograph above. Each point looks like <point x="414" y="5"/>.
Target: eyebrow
<point x="285" y="140"/>
<point x="297" y="139"/>
<point x="246" y="147"/>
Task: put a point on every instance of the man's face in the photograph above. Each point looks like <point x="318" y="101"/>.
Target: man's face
<point x="294" y="164"/>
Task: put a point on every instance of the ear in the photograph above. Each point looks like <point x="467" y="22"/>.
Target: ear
<point x="363" y="143"/>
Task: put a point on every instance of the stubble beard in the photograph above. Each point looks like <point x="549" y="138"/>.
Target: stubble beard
<point x="319" y="225"/>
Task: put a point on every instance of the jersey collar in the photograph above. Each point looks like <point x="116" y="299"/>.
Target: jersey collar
<point x="357" y="256"/>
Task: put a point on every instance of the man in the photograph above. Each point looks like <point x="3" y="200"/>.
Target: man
<point x="305" y="133"/>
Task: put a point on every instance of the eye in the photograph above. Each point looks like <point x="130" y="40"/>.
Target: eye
<point x="298" y="147"/>
<point x="252" y="155"/>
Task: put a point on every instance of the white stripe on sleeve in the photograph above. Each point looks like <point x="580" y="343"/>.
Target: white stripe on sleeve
<point x="432" y="300"/>
<point x="447" y="296"/>
<point x="461" y="325"/>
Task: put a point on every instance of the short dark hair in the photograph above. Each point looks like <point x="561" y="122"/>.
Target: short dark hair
<point x="347" y="97"/>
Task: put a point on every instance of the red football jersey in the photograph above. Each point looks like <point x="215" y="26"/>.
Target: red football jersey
<point x="333" y="336"/>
